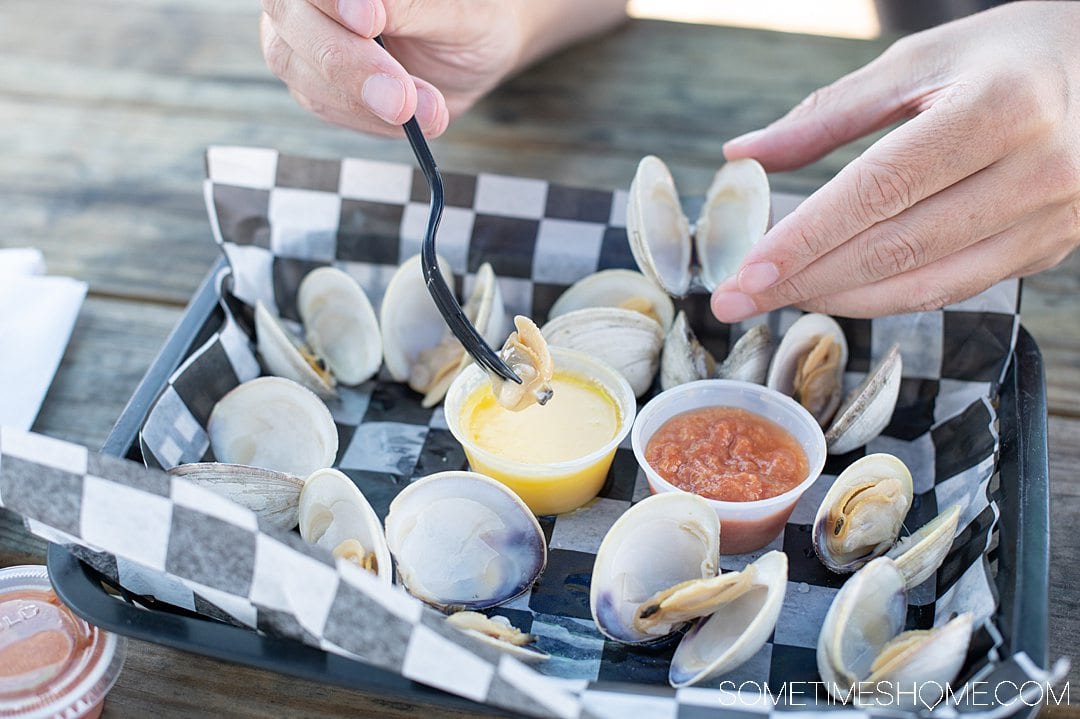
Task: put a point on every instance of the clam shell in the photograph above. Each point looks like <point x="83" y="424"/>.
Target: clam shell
<point x="797" y="341"/>
<point x="273" y="423"/>
<point x="683" y="359"/>
<point x="869" y="407"/>
<point x="332" y="510"/>
<point x="273" y="496"/>
<point x="870" y="528"/>
<point x="614" y="288"/>
<point x="340" y="324"/>
<point x="657" y="229"/>
<point x="919" y="554"/>
<point x="409" y="319"/>
<point x="734" y="217"/>
<point x="748" y="360"/>
<point x="659" y="542"/>
<point x="627" y="340"/>
<point x="464" y="541"/>
<point x="736" y="631"/>
<point x="281" y="355"/>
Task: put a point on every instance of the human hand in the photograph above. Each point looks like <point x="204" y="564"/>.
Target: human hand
<point x="441" y="56"/>
<point x="982" y="184"/>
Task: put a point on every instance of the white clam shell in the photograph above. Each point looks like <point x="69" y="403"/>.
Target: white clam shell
<point x="611" y="288"/>
<point x="873" y="531"/>
<point x="657" y="229"/>
<point x="734" y="217"/>
<point x="684" y="359"/>
<point x="340" y="324"/>
<point x="463" y="540"/>
<point x="627" y="340"/>
<point x="736" y="631"/>
<point x="797" y="341"/>
<point x="281" y="356"/>
<point x="748" y="360"/>
<point x="659" y="542"/>
<point x="409" y="319"/>
<point x="273" y="496"/>
<point x="869" y="407"/>
<point x="332" y="510"/>
<point x="273" y="423"/>
<point x="919" y="554"/>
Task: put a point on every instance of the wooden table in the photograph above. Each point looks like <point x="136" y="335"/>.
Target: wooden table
<point x="106" y="107"/>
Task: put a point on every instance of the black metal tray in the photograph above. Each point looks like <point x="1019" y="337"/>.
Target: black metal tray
<point x="1022" y="552"/>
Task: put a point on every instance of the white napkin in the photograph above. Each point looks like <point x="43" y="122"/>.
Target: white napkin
<point x="37" y="314"/>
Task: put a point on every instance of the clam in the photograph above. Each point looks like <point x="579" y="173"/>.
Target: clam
<point x="868" y="408"/>
<point x="735" y="626"/>
<point x="284" y="355"/>
<point x="660" y="542"/>
<point x="497" y="632"/>
<point x="340" y="324"/>
<point x="343" y="342"/>
<point x="684" y="359"/>
<point x="919" y="554"/>
<point x="626" y="289"/>
<point x="863" y="512"/>
<point x="273" y="496"/>
<point x="734" y="216"/>
<point x="464" y="541"/>
<point x="335" y="515"/>
<point x="526" y="354"/>
<point x="273" y="423"/>
<point x="809" y="365"/>
<point x="627" y="340"/>
<point x="862" y="643"/>
<point x="418" y="347"/>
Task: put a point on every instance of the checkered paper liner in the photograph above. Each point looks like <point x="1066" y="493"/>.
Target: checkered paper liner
<point x="277" y="217"/>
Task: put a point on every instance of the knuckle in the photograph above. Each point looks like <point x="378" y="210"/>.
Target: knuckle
<point x="1022" y="102"/>
<point x="789" y="292"/>
<point x="809" y="240"/>
<point x="893" y="251"/>
<point x="883" y="187"/>
<point x="1061" y="173"/>
<point x="931" y="297"/>
<point x="330" y="58"/>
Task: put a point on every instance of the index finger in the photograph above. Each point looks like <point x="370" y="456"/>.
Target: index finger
<point x="951" y="140"/>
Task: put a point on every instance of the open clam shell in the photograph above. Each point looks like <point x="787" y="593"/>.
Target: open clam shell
<point x="627" y="340"/>
<point x="410" y="321"/>
<point x="283" y="355"/>
<point x="863" y="512"/>
<point x="658" y="543"/>
<point x="869" y="407"/>
<point x="340" y="324"/>
<point x="464" y="541"/>
<point x="809" y="365"/>
<point x="273" y="423"/>
<point x="736" y="631"/>
<point x="735" y="215"/>
<point x="919" y="554"/>
<point x="617" y="288"/>
<point x="273" y="496"/>
<point x="335" y="515"/>
<point x="685" y="359"/>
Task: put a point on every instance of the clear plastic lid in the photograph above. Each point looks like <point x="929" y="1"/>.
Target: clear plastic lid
<point x="52" y="663"/>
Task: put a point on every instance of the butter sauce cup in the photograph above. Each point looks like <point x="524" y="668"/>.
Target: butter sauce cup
<point x="554" y="487"/>
<point x="744" y="526"/>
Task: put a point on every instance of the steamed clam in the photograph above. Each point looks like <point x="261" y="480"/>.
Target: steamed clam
<point x="862" y="644"/>
<point x="498" y="632"/>
<point x="464" y="541"/>
<point x="335" y="515"/>
<point x="342" y="338"/>
<point x="273" y="496"/>
<point x="526" y="354"/>
<point x="418" y="347"/>
<point x="273" y="423"/>
<point x="624" y="289"/>
<point x="734" y="216"/>
<point x="685" y="359"/>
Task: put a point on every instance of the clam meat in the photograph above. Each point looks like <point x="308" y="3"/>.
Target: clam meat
<point x="498" y="632"/>
<point x="526" y="353"/>
<point x="461" y="540"/>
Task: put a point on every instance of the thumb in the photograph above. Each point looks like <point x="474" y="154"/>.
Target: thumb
<point x="857" y="104"/>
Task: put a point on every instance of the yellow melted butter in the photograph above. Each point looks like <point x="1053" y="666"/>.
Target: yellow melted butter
<point x="578" y="420"/>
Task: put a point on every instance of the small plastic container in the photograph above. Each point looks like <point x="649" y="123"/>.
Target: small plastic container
<point x="52" y="663"/>
<point x="559" y="486"/>
<point x="744" y="526"/>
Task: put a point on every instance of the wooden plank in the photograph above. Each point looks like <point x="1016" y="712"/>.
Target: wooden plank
<point x="1064" y="441"/>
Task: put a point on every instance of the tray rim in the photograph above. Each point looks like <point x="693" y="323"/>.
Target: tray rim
<point x="1023" y="539"/>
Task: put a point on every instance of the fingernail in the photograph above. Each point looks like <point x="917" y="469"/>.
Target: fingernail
<point x="733" y="306"/>
<point x="385" y="95"/>
<point x="427" y="108"/>
<point x="358" y="15"/>
<point x="758" y="277"/>
<point x="745" y="139"/>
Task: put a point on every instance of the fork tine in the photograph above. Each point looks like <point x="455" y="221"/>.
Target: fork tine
<point x="444" y="298"/>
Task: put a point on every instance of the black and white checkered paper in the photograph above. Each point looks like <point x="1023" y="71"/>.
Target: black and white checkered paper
<point x="276" y="218"/>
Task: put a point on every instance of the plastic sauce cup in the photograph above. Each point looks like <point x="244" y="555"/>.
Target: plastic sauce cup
<point x="744" y="526"/>
<point x="558" y="486"/>
<point x="52" y="663"/>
